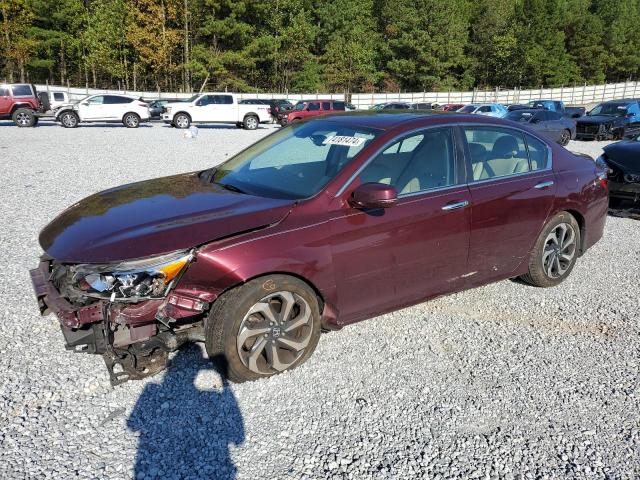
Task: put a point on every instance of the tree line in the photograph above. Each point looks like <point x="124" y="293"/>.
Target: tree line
<point x="319" y="45"/>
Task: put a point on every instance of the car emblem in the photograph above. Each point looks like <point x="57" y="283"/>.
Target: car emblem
<point x="276" y="332"/>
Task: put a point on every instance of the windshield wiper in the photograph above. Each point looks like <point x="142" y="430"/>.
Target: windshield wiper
<point x="231" y="188"/>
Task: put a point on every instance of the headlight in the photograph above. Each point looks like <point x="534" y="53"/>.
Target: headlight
<point x="167" y="109"/>
<point x="133" y="280"/>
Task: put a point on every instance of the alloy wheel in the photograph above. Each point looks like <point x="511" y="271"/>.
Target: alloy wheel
<point x="131" y="121"/>
<point x="23" y="119"/>
<point x="251" y="123"/>
<point x="275" y="332"/>
<point x="559" y="250"/>
<point x="182" y="121"/>
<point x="68" y="120"/>
<point x="564" y="139"/>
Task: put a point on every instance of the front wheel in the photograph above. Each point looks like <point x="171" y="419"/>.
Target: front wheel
<point x="565" y="137"/>
<point x="250" y="122"/>
<point x="182" y="120"/>
<point x="262" y="328"/>
<point x="555" y="252"/>
<point x="69" y="120"/>
<point x="131" y="120"/>
<point x="24" y="117"/>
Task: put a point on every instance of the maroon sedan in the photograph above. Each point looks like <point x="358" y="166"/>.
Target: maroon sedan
<point x="319" y="225"/>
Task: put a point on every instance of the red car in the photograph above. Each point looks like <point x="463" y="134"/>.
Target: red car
<point x="319" y="225"/>
<point x="19" y="102"/>
<point x="313" y="108"/>
<point x="452" y="107"/>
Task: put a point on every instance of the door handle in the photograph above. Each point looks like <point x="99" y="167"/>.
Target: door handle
<point x="455" y="205"/>
<point x="543" y="185"/>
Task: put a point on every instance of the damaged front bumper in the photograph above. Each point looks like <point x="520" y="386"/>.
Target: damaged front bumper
<point x="133" y="338"/>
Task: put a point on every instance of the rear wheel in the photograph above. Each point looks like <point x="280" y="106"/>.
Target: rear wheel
<point x="565" y="138"/>
<point x="555" y="252"/>
<point x="131" y="120"/>
<point x="24" y="117"/>
<point x="182" y="120"/>
<point x="69" y="119"/>
<point x="262" y="328"/>
<point x="251" y="122"/>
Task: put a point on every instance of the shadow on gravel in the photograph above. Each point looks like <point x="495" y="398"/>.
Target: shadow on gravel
<point x="186" y="427"/>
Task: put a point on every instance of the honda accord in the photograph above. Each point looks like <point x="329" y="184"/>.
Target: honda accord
<point x="319" y="225"/>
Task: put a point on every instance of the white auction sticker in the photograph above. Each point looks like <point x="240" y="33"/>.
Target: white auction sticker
<point x="344" y="141"/>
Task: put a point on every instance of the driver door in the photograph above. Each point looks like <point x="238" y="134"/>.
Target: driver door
<point x="5" y="100"/>
<point x="388" y="258"/>
<point x="92" y="108"/>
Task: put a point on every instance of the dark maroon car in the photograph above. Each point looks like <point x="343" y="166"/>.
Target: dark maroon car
<point x="319" y="225"/>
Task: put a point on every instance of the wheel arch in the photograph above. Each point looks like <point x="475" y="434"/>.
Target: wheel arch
<point x="328" y="312"/>
<point x="581" y="223"/>
<point x="251" y="114"/>
<point x="184" y="113"/>
<point x="18" y="106"/>
<point x="131" y="112"/>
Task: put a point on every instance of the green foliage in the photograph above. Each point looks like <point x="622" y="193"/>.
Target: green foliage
<point x="312" y="45"/>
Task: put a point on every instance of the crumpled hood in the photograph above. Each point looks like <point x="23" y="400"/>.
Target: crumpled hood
<point x="599" y="119"/>
<point x="154" y="217"/>
<point x="625" y="155"/>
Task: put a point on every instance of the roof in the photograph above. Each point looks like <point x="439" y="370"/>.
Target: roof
<point x="389" y="119"/>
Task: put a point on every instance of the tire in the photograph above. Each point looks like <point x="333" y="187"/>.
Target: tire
<point x="245" y="311"/>
<point x="565" y="138"/>
<point x="131" y="120"/>
<point x="554" y="254"/>
<point x="24" y="117"/>
<point x="182" y="120"/>
<point x="69" y="119"/>
<point x="250" y="122"/>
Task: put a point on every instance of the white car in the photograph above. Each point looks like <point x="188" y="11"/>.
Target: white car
<point x="104" y="108"/>
<point x="57" y="99"/>
<point x="215" y="108"/>
<point x="488" y="109"/>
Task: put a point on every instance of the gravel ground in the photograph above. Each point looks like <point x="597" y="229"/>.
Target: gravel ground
<point x="505" y="381"/>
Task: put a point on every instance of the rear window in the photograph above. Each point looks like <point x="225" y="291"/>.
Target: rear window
<point x="338" y="105"/>
<point x="114" y="100"/>
<point x="58" y="96"/>
<point x="224" y="100"/>
<point x="21" y="90"/>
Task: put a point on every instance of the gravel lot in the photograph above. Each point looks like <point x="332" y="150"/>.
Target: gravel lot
<point x="506" y="381"/>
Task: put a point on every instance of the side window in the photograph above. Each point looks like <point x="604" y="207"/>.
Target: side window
<point x="4" y="92"/>
<point x="326" y="105"/>
<point x="58" y="96"/>
<point x="338" y="105"/>
<point x="554" y="115"/>
<point x="541" y="116"/>
<point x="224" y="100"/>
<point x="21" y="90"/>
<point x="97" y="100"/>
<point x="538" y="153"/>
<point x="415" y="163"/>
<point x="485" y="109"/>
<point x="313" y="106"/>
<point x="496" y="152"/>
<point x="634" y="108"/>
<point x="116" y="100"/>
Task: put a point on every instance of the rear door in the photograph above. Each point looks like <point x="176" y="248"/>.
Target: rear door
<point x="115" y="106"/>
<point x="388" y="258"/>
<point x="512" y="190"/>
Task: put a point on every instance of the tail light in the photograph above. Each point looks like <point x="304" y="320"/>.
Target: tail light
<point x="602" y="178"/>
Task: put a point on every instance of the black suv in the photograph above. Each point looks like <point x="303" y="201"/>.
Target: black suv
<point x="613" y="120"/>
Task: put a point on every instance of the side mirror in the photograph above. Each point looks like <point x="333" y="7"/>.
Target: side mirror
<point x="86" y="104"/>
<point x="535" y="120"/>
<point x="374" y="195"/>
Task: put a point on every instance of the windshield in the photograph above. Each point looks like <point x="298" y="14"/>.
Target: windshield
<point x="296" y="161"/>
<point x="617" y="109"/>
<point x="519" y="116"/>
<point x="467" y="109"/>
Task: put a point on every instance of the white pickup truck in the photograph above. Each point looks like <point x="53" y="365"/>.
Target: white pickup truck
<point x="215" y="108"/>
